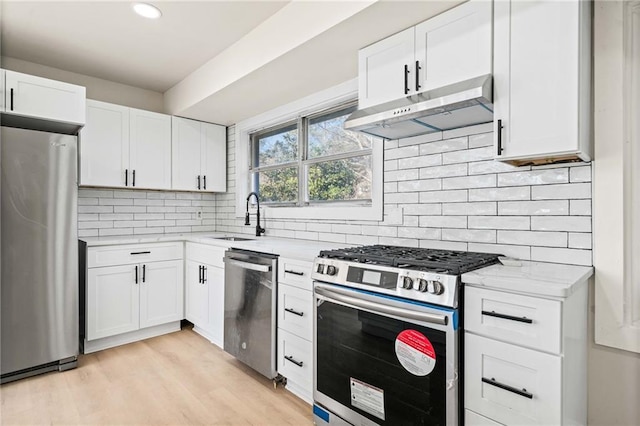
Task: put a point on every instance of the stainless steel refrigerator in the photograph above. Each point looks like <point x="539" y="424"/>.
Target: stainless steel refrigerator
<point x="39" y="270"/>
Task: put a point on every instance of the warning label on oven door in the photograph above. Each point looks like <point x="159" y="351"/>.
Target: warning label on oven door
<point x="367" y="398"/>
<point x="415" y="352"/>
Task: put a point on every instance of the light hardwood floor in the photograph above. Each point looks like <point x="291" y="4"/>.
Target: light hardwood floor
<point x="179" y="378"/>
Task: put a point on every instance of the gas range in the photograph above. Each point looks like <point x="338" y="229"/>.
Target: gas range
<point x="420" y="274"/>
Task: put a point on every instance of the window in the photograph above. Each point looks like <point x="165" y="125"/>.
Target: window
<point x="312" y="160"/>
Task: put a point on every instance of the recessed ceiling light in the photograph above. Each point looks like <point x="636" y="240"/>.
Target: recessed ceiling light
<point x="147" y="10"/>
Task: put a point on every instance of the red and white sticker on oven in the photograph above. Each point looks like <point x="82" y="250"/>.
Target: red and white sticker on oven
<point x="415" y="352"/>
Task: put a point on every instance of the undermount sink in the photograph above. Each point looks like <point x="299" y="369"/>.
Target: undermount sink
<point x="232" y="238"/>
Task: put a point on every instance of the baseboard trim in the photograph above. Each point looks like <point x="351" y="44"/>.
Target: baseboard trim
<point x="133" y="336"/>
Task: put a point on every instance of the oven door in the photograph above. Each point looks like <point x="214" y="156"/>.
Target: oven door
<point x="381" y="360"/>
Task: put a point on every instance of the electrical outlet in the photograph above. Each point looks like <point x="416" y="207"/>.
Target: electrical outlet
<point x="199" y="215"/>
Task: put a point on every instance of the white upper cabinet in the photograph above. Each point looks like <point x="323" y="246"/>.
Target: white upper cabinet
<point x="384" y="69"/>
<point x="451" y="47"/>
<point x="150" y="149"/>
<point x="37" y="97"/>
<point x="104" y="145"/>
<point x="542" y="81"/>
<point x="125" y="147"/>
<point x="454" y="46"/>
<point x="199" y="156"/>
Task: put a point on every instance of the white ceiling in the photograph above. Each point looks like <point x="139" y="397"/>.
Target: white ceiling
<point x="195" y="40"/>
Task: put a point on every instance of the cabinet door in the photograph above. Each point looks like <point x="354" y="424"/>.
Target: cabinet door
<point x="161" y="293"/>
<point x="382" y="75"/>
<point x="104" y="145"/>
<point x="214" y="157"/>
<point x="197" y="296"/>
<point x="454" y="46"/>
<point x="295" y="311"/>
<point x="150" y="149"/>
<point x="536" y="77"/>
<point x="510" y="384"/>
<point x="112" y="301"/>
<point x="214" y="279"/>
<point x="38" y="97"/>
<point x="185" y="153"/>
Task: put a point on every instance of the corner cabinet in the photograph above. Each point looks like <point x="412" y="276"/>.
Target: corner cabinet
<point x="542" y="81"/>
<point x="41" y="98"/>
<point x="131" y="292"/>
<point x="199" y="156"/>
<point x="204" y="290"/>
<point x="448" y="48"/>
<point x="125" y="147"/>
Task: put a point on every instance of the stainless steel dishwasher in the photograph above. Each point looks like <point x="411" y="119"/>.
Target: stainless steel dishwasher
<point x="250" y="281"/>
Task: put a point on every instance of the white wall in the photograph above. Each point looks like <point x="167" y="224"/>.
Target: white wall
<point x="98" y="89"/>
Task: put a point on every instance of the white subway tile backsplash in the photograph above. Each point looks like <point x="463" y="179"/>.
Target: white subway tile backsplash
<point x="470" y="209"/>
<point x="580" y="174"/>
<point x="563" y="191"/>
<point x="517" y="252"/>
<point x="443" y="245"/>
<point x="561" y="255"/>
<point x="116" y="201"/>
<point x="444" y="146"/>
<point x="533" y="238"/>
<point x="470" y="235"/>
<point x="492" y="166"/>
<point x="466" y="131"/>
<point x="443" y="171"/>
<point x="580" y="207"/>
<point x="580" y="240"/>
<point x="500" y="194"/>
<point x="481" y="181"/>
<point x="416" y="140"/>
<point x="443" y="222"/>
<point x="398" y="175"/>
<point x="443" y="196"/>
<point x="480" y="140"/>
<point x="559" y="223"/>
<point x="500" y="222"/>
<point x="534" y="177"/>
<point x="422" y="209"/>
<point x="419" y="185"/>
<point x="411" y="221"/>
<point x="404" y="152"/>
<point x="419" y="233"/>
<point x="466" y="156"/>
<point x="533" y="208"/>
<point x="402" y="197"/>
<point x="420" y="161"/>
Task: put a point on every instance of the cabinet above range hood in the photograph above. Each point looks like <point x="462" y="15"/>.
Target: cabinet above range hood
<point x="458" y="105"/>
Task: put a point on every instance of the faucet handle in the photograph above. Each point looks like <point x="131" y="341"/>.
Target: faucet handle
<point x="246" y="219"/>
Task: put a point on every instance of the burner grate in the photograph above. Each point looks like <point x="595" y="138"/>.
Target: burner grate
<point x="432" y="260"/>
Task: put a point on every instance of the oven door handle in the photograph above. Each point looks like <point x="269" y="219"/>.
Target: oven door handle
<point x="332" y="295"/>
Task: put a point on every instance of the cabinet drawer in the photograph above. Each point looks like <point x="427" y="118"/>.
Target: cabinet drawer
<point x="295" y="310"/>
<point x="511" y="384"/>
<point x="203" y="253"/>
<point x="523" y="320"/>
<point x="474" y="419"/>
<point x="132" y="253"/>
<point x="295" y="358"/>
<point x="295" y="272"/>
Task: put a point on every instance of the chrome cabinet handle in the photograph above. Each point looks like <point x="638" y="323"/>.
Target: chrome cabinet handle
<point x="291" y="359"/>
<point x="294" y="312"/>
<point x="340" y="297"/>
<point x="508" y="388"/>
<point x="507" y="317"/>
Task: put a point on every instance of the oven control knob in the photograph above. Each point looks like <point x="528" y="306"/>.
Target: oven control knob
<point x="435" y="287"/>
<point x="320" y="268"/>
<point x="332" y="270"/>
<point x="407" y="283"/>
<point x="422" y="285"/>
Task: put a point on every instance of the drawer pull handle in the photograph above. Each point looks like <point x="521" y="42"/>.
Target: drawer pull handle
<point x="144" y="273"/>
<point x="511" y="389"/>
<point x="136" y="274"/>
<point x="286" y="271"/>
<point x="300" y="314"/>
<point x="291" y="359"/>
<point x="140" y="252"/>
<point x="507" y="317"/>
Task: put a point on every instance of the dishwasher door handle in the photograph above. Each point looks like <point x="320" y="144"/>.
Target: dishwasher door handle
<point x="247" y="265"/>
<point x="341" y="298"/>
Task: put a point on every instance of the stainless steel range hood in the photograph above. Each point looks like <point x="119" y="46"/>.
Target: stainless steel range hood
<point x="457" y="105"/>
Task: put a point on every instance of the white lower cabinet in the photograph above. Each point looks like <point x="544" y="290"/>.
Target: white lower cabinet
<point x="132" y="292"/>
<point x="295" y="326"/>
<point x="525" y="358"/>
<point x="204" y="288"/>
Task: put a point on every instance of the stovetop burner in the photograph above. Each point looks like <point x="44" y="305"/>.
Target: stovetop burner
<point x="432" y="260"/>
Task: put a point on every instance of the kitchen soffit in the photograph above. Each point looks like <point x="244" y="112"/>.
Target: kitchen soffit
<point x="174" y="54"/>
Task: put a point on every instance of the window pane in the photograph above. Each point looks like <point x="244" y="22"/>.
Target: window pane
<point x="348" y="179"/>
<point x="327" y="135"/>
<point x="278" y="185"/>
<point x="276" y="147"/>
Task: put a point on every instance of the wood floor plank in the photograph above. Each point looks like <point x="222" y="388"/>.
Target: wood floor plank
<point x="175" y="379"/>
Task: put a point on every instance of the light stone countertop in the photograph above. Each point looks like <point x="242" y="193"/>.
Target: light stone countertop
<point x="286" y="247"/>
<point x="536" y="278"/>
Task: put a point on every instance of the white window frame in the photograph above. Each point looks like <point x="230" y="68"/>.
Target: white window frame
<point x="616" y="198"/>
<point x="309" y="105"/>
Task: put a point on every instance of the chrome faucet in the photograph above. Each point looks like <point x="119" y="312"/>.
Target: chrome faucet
<point x="259" y="229"/>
